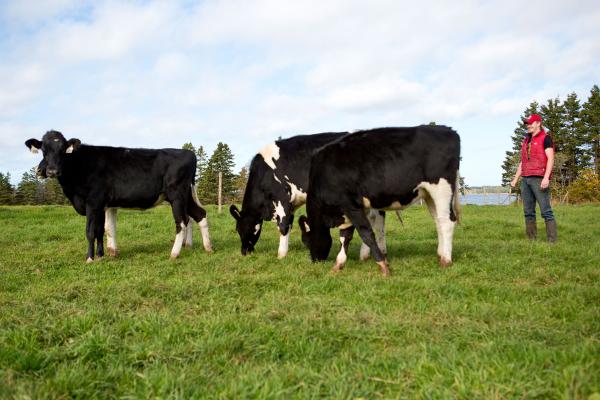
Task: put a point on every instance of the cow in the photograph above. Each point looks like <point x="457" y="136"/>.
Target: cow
<point x="276" y="187"/>
<point x="99" y="179"/>
<point x="383" y="169"/>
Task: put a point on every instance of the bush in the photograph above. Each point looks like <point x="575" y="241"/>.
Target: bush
<point x="586" y="188"/>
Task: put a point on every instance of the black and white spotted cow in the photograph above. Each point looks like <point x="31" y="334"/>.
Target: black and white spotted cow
<point x="98" y="179"/>
<point x="384" y="169"/>
<point x="276" y="187"/>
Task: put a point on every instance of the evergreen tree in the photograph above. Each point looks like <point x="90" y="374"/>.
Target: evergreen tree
<point x="220" y="161"/>
<point x="54" y="192"/>
<point x="30" y="190"/>
<point x="189" y="146"/>
<point x="574" y="139"/>
<point x="201" y="164"/>
<point x="241" y="180"/>
<point x="553" y="115"/>
<point x="590" y="116"/>
<point x="513" y="157"/>
<point x="7" y="191"/>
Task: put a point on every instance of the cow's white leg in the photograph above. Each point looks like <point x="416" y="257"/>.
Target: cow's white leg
<point x="345" y="239"/>
<point x="378" y="224"/>
<point x="179" y="238"/>
<point x="284" y="242"/>
<point x="441" y="195"/>
<point x="365" y="252"/>
<point x="189" y="233"/>
<point x="205" y="236"/>
<point x="340" y="260"/>
<point x="432" y="210"/>
<point x="110" y="226"/>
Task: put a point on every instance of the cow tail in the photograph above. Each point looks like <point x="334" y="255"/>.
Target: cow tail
<point x="194" y="193"/>
<point x="456" y="199"/>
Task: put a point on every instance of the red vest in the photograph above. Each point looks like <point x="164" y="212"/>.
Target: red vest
<point x="535" y="164"/>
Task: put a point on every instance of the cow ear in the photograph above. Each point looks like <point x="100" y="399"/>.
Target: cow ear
<point x="303" y="222"/>
<point x="34" y="145"/>
<point x="235" y="213"/>
<point x="72" y="145"/>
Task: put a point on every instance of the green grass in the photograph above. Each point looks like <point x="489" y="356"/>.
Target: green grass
<point x="510" y="318"/>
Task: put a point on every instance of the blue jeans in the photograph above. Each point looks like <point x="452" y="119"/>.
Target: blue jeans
<point x="531" y="192"/>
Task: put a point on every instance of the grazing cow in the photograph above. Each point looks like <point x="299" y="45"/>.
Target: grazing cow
<point x="277" y="187"/>
<point x="386" y="168"/>
<point x="98" y="179"/>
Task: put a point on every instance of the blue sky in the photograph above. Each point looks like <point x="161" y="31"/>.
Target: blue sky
<point x="159" y="74"/>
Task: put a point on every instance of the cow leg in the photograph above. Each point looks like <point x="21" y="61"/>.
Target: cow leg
<point x="432" y="210"/>
<point x="189" y="234"/>
<point x="441" y="196"/>
<point x="99" y="232"/>
<point x="285" y="227"/>
<point x="181" y="221"/>
<point x="361" y="223"/>
<point x="94" y="226"/>
<point x="198" y="213"/>
<point x="345" y="238"/>
<point x="284" y="242"/>
<point x="110" y="225"/>
<point x="377" y="220"/>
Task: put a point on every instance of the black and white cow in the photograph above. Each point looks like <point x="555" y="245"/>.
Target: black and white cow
<point x="99" y="179"/>
<point x="386" y="168"/>
<point x="276" y="187"/>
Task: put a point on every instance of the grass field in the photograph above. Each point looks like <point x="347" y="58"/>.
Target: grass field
<point x="510" y="318"/>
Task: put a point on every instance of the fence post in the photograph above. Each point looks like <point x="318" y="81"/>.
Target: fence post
<point x="219" y="194"/>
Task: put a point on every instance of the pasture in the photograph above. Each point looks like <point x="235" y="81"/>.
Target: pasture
<point x="510" y="318"/>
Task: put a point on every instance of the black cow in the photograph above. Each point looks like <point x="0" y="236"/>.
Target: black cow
<point x="386" y="168"/>
<point x="98" y="179"/>
<point x="276" y="187"/>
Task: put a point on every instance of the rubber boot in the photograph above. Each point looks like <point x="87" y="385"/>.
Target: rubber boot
<point x="530" y="229"/>
<point x="551" y="233"/>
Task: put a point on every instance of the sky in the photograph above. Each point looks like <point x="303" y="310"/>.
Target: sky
<point x="157" y="74"/>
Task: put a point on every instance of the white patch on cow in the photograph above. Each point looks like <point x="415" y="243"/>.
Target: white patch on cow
<point x="346" y="224"/>
<point x="365" y="252"/>
<point x="284" y="242"/>
<point x="110" y="226"/>
<point x="70" y="149"/>
<point x="205" y="236"/>
<point x="341" y="258"/>
<point x="279" y="211"/>
<point x="270" y="154"/>
<point x="56" y="140"/>
<point x="297" y="196"/>
<point x="159" y="200"/>
<point x="256" y="229"/>
<point x="276" y="178"/>
<point x="286" y="177"/>
<point x="179" y="237"/>
<point x="394" y="206"/>
<point x="438" y="200"/>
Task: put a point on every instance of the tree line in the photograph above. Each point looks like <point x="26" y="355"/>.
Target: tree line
<point x="575" y="131"/>
<point x="32" y="190"/>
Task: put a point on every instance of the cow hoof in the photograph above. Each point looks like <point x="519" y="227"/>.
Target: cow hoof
<point x="112" y="252"/>
<point x="444" y="263"/>
<point x="208" y="249"/>
<point x="89" y="260"/>
<point x="174" y="256"/>
<point x="337" y="267"/>
<point x="384" y="267"/>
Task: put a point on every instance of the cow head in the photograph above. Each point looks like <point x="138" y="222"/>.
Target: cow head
<point x="248" y="227"/>
<point x="316" y="238"/>
<point x="55" y="148"/>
